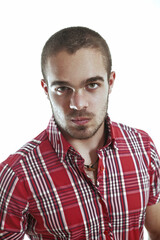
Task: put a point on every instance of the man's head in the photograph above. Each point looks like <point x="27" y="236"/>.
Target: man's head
<point x="72" y="39"/>
<point x="77" y="80"/>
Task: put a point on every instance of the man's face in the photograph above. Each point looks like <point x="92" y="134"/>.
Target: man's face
<point x="78" y="90"/>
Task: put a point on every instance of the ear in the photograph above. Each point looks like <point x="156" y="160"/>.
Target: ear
<point x="44" y="86"/>
<point x="111" y="81"/>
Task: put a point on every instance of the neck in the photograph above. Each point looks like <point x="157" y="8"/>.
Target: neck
<point x="88" y="147"/>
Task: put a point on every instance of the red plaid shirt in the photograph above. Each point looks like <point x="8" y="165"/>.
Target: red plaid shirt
<point x="45" y="192"/>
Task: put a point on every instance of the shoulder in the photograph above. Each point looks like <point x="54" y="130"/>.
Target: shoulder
<point x="122" y="130"/>
<point x="14" y="160"/>
<point x="130" y="135"/>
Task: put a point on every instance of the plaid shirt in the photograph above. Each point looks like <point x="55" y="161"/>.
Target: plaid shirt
<point x="45" y="192"/>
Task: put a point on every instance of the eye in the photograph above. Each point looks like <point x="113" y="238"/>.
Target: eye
<point x="92" y="86"/>
<point x="63" y="89"/>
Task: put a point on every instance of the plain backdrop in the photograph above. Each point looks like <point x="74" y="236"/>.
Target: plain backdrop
<point x="131" y="28"/>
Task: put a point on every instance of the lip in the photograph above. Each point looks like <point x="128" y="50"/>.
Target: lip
<point x="80" y="120"/>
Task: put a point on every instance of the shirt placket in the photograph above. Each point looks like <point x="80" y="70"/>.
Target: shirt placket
<point x="107" y="233"/>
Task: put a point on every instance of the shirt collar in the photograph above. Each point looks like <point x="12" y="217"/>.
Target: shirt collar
<point x="111" y="135"/>
<point x="60" y="144"/>
<point x="56" y="139"/>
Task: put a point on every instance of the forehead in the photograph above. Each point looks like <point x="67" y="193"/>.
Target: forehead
<point x="84" y="63"/>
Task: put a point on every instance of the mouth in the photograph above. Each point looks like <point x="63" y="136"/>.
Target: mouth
<point x="80" y="120"/>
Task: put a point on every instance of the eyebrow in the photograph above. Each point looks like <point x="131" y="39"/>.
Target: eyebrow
<point x="94" y="79"/>
<point x="87" y="81"/>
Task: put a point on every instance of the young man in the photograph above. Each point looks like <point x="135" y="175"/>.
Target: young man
<point x="84" y="177"/>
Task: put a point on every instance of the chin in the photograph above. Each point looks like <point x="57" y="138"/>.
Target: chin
<point x="82" y="133"/>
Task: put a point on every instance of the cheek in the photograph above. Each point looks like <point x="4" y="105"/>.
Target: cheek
<point x="58" y="103"/>
<point x="99" y="100"/>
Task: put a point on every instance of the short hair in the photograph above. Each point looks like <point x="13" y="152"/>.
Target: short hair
<point x="72" y="39"/>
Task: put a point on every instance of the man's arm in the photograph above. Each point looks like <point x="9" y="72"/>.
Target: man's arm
<point x="152" y="221"/>
<point x="11" y="235"/>
<point x="13" y="204"/>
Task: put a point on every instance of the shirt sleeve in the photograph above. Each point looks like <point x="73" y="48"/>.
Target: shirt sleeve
<point x="13" y="204"/>
<point x="154" y="175"/>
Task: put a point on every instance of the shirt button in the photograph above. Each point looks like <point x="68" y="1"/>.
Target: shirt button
<point x="100" y="201"/>
<point x="106" y="233"/>
<point x="101" y="168"/>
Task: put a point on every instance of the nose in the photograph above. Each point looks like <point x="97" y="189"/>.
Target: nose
<point x="78" y="101"/>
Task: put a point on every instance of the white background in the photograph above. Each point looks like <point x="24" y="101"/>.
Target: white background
<point x="131" y="28"/>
